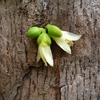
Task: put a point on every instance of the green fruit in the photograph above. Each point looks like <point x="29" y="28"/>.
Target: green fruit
<point x="44" y="39"/>
<point x="34" y="32"/>
<point x="53" y="30"/>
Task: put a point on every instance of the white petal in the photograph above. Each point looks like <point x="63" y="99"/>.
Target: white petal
<point x="70" y="36"/>
<point x="48" y="55"/>
<point x="41" y="50"/>
<point x="61" y="42"/>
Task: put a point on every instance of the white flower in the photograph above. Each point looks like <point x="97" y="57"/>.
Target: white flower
<point x="66" y="40"/>
<point x="44" y="50"/>
<point x="45" y="53"/>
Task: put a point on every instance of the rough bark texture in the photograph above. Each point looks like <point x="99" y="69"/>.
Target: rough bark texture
<point x="73" y="77"/>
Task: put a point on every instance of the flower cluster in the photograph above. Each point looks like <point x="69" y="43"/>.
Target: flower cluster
<point x="63" y="39"/>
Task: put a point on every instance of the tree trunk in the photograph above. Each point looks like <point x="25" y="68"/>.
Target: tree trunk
<point x="73" y="77"/>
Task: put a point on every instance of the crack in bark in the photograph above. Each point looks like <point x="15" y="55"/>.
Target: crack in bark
<point x="27" y="74"/>
<point x="18" y="89"/>
<point x="57" y="80"/>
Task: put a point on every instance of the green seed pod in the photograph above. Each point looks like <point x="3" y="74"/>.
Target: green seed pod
<point x="34" y="32"/>
<point x="53" y="30"/>
<point x="44" y="39"/>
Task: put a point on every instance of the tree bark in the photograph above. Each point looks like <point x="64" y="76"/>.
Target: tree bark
<point x="73" y="77"/>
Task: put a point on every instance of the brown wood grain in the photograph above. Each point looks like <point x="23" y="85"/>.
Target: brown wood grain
<point x="73" y="77"/>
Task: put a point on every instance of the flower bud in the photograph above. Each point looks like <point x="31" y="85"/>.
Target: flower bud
<point x="53" y="30"/>
<point x="34" y="32"/>
<point x="44" y="39"/>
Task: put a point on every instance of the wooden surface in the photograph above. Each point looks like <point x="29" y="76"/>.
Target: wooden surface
<point x="73" y="77"/>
